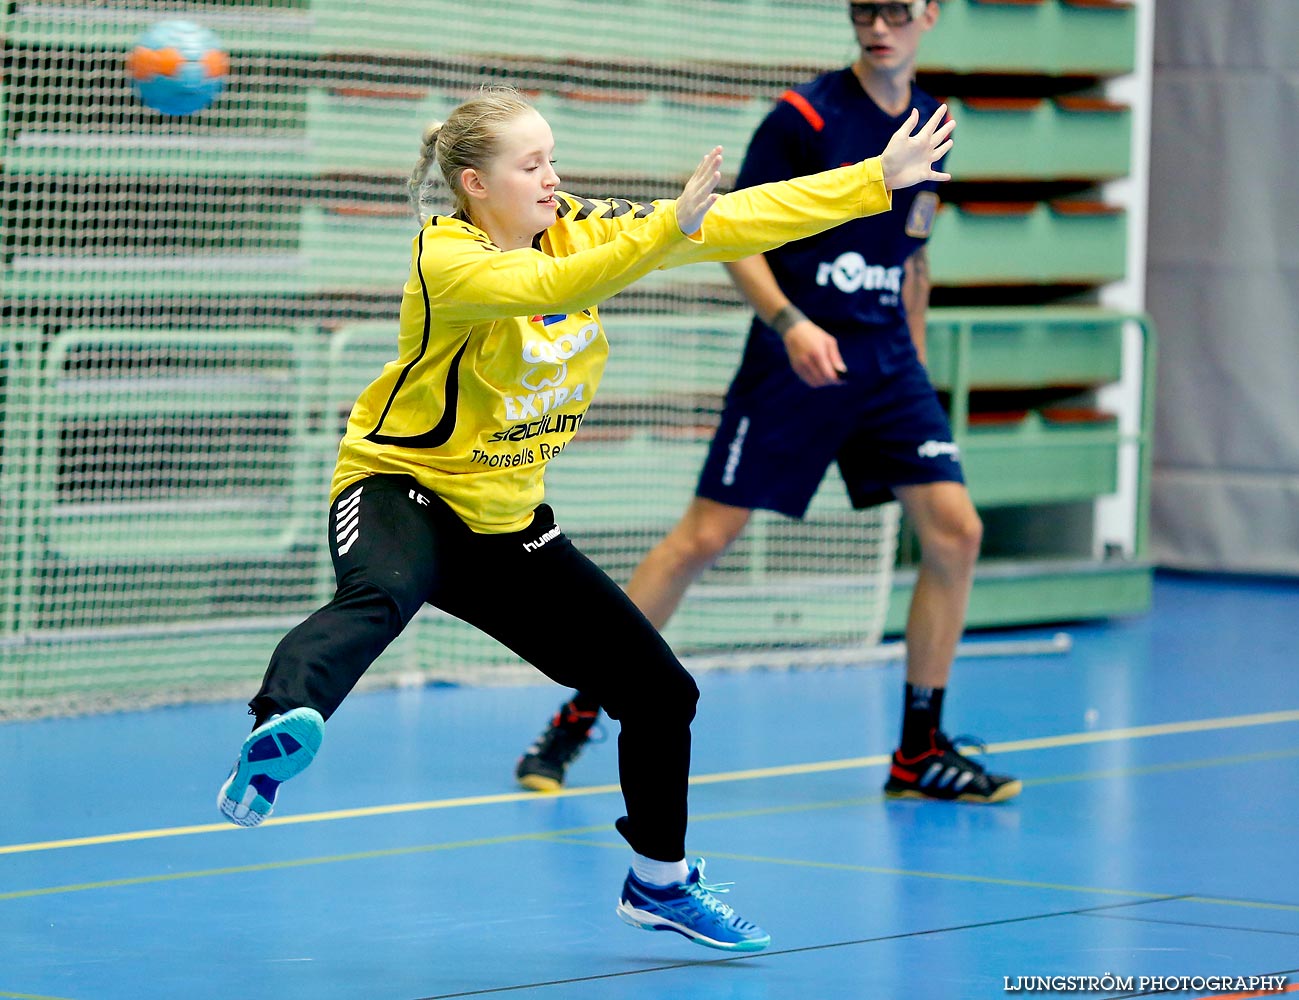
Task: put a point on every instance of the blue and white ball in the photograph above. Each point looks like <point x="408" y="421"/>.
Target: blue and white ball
<point x="178" y="67"/>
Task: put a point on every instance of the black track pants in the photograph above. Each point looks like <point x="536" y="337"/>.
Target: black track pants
<point x="396" y="546"/>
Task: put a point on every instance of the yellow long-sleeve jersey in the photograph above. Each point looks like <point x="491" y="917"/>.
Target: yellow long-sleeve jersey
<point x="500" y="352"/>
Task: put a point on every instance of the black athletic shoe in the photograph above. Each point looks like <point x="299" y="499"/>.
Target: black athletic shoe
<point x="542" y="766"/>
<point x="943" y="772"/>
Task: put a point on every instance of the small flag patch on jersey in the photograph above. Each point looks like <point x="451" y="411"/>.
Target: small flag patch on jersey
<point x="920" y="223"/>
<point x="547" y="320"/>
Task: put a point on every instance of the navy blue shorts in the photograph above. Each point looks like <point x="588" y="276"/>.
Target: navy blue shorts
<point x="884" y="426"/>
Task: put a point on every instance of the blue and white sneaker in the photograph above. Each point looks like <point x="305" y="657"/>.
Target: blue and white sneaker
<point x="692" y="909"/>
<point x="275" y="751"/>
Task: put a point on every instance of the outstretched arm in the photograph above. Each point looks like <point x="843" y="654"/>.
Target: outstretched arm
<point x="758" y="219"/>
<point x="475" y="281"/>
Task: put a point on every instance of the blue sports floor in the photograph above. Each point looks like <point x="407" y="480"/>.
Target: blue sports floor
<point x="1156" y="836"/>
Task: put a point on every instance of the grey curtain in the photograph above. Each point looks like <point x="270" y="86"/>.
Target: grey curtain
<point x="1223" y="284"/>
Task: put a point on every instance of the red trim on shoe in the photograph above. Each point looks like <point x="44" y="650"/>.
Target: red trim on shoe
<point x="898" y="755"/>
<point x="572" y="714"/>
<point x="898" y="758"/>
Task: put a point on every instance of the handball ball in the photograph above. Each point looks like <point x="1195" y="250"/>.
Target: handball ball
<point x="178" y="67"/>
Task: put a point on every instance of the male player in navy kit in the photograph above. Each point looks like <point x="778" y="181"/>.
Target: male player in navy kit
<point x="834" y="371"/>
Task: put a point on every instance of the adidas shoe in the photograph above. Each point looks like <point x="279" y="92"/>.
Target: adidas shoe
<point x="542" y="766"/>
<point x="943" y="772"/>
<point x="692" y="909"/>
<point x="275" y="751"/>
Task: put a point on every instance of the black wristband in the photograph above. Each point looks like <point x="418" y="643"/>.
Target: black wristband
<point x="786" y="316"/>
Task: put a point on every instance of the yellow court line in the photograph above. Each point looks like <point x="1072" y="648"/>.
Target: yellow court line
<point x="27" y="996"/>
<point x="1142" y="732"/>
<point x="576" y="835"/>
<point x="317" y="817"/>
<point x="753" y="774"/>
<point x="1058" y="779"/>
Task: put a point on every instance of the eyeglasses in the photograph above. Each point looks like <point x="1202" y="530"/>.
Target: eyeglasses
<point x="895" y="14"/>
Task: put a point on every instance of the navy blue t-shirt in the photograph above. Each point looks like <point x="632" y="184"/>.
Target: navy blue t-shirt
<point x="848" y="279"/>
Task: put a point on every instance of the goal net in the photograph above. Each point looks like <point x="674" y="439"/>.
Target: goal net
<point x="190" y="304"/>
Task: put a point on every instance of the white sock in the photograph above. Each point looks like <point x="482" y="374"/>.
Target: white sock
<point x="659" y="873"/>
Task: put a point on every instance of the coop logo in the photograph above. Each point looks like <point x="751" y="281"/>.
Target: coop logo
<point x="549" y="358"/>
<point x="932" y="449"/>
<point x="850" y="273"/>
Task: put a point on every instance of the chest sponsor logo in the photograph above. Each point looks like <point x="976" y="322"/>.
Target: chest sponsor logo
<point x="548" y="359"/>
<point x="850" y="273"/>
<point x="555" y="423"/>
<point x="537" y="404"/>
<point x="514" y="459"/>
<point x="503" y="459"/>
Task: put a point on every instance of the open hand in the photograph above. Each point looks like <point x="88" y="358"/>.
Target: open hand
<point x="909" y="159"/>
<point x="700" y="192"/>
<point x="814" y="355"/>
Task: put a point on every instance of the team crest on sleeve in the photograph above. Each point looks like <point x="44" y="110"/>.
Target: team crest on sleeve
<point x="920" y="222"/>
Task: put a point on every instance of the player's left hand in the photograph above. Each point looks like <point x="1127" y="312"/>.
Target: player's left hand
<point x="909" y="159"/>
<point x="700" y="192"/>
